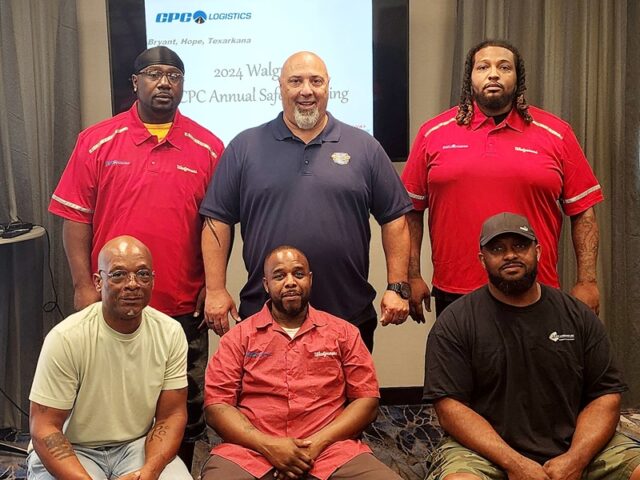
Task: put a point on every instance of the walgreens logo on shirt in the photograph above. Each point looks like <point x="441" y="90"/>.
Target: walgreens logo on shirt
<point x="325" y="354"/>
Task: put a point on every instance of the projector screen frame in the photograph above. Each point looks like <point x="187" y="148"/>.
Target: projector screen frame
<point x="127" y="38"/>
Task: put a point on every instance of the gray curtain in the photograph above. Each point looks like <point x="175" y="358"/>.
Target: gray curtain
<point x="581" y="60"/>
<point x="39" y="122"/>
<point x="625" y="216"/>
<point x="39" y="115"/>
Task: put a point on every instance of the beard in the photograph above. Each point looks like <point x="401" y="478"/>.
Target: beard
<point x="306" y="119"/>
<point x="290" y="308"/>
<point x="515" y="287"/>
<point x="494" y="102"/>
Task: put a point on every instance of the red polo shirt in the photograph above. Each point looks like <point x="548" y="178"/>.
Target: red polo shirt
<point x="291" y="388"/>
<point x="465" y="174"/>
<point x="122" y="181"/>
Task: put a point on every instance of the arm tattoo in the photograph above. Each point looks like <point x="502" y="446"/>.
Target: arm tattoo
<point x="58" y="446"/>
<point x="586" y="238"/>
<point x="158" y="432"/>
<point x="208" y="223"/>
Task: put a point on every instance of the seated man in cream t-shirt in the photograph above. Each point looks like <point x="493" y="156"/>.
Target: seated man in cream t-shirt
<point x="108" y="400"/>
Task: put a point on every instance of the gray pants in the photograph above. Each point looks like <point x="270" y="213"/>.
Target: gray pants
<point x="111" y="462"/>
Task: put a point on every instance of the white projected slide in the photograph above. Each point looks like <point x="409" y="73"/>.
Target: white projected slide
<point x="233" y="51"/>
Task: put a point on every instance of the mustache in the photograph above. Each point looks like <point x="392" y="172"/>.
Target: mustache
<point x="513" y="264"/>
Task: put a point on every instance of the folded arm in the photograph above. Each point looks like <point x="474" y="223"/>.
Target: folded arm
<point x="163" y="440"/>
<point x="595" y="426"/>
<point x="51" y="445"/>
<point x="474" y="432"/>
<point x="287" y="455"/>
<point x="349" y="424"/>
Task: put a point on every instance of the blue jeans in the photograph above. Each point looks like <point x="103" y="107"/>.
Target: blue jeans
<point x="110" y="462"/>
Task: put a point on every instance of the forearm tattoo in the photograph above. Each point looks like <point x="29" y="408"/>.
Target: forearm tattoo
<point x="158" y="433"/>
<point x="208" y="223"/>
<point x="586" y="238"/>
<point x="58" y="446"/>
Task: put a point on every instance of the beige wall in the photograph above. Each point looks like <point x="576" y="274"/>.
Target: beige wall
<point x="399" y="351"/>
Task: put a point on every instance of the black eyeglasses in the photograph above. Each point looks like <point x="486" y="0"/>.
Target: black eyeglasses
<point x="156" y="75"/>
<point x="142" y="276"/>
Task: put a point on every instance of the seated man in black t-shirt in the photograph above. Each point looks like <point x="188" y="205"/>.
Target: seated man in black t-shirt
<point x="522" y="376"/>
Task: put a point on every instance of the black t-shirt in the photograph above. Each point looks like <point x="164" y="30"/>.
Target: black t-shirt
<point x="529" y="370"/>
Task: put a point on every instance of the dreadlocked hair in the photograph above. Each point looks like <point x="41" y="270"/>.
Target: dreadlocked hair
<point x="465" y="107"/>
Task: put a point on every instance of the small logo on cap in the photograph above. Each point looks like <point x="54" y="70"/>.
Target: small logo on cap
<point x="524" y="228"/>
<point x="340" y="158"/>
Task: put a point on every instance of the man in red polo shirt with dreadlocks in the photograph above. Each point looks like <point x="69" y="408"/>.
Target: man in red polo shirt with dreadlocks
<point x="492" y="153"/>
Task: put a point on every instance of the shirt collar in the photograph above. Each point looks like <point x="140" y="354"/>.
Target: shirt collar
<point x="265" y="319"/>
<point x="514" y="120"/>
<point x="330" y="133"/>
<point x="140" y="133"/>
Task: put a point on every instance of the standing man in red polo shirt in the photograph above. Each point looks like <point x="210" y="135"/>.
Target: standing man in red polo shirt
<point x="291" y="388"/>
<point x="144" y="173"/>
<point x="494" y="153"/>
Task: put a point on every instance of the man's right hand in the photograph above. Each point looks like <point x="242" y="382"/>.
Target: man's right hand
<point x="218" y="305"/>
<point x="420" y="294"/>
<point x="85" y="296"/>
<point x="288" y="456"/>
<point x="526" y="469"/>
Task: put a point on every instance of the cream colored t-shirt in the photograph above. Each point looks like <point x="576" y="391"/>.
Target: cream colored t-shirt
<point x="111" y="380"/>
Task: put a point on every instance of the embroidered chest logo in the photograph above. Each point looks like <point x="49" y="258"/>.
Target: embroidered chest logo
<point x="110" y="163"/>
<point x="453" y="146"/>
<point x="325" y="354"/>
<point x="340" y="158"/>
<point x="186" y="169"/>
<point x="555" y="337"/>
<point x="257" y="354"/>
<point x="525" y="150"/>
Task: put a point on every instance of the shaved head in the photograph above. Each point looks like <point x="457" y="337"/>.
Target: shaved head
<point x="303" y="59"/>
<point x="125" y="281"/>
<point x="122" y="246"/>
<point x="304" y="87"/>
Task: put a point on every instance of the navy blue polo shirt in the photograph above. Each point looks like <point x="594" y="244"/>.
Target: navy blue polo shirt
<point x="316" y="197"/>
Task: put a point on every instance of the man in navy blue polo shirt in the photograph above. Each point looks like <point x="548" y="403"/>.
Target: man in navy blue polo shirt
<point x="308" y="180"/>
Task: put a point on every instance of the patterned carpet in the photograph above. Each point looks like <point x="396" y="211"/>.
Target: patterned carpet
<point x="401" y="437"/>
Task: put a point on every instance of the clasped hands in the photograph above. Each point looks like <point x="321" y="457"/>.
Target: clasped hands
<point x="292" y="458"/>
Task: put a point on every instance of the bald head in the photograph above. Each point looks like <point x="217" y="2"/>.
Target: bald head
<point x="125" y="281"/>
<point x="123" y="247"/>
<point x="303" y="60"/>
<point x="304" y="86"/>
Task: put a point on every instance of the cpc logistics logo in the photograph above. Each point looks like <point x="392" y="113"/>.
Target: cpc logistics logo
<point x="200" y="17"/>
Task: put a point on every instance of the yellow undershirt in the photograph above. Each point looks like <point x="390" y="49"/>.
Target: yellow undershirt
<point x="160" y="130"/>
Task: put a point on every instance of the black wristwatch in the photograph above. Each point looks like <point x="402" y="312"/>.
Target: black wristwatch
<point x="401" y="288"/>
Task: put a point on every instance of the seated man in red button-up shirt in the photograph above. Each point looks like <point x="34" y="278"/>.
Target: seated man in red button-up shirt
<point x="291" y="388"/>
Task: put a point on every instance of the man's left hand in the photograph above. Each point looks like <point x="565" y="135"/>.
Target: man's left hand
<point x="563" y="467"/>
<point x="394" y="308"/>
<point x="588" y="293"/>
